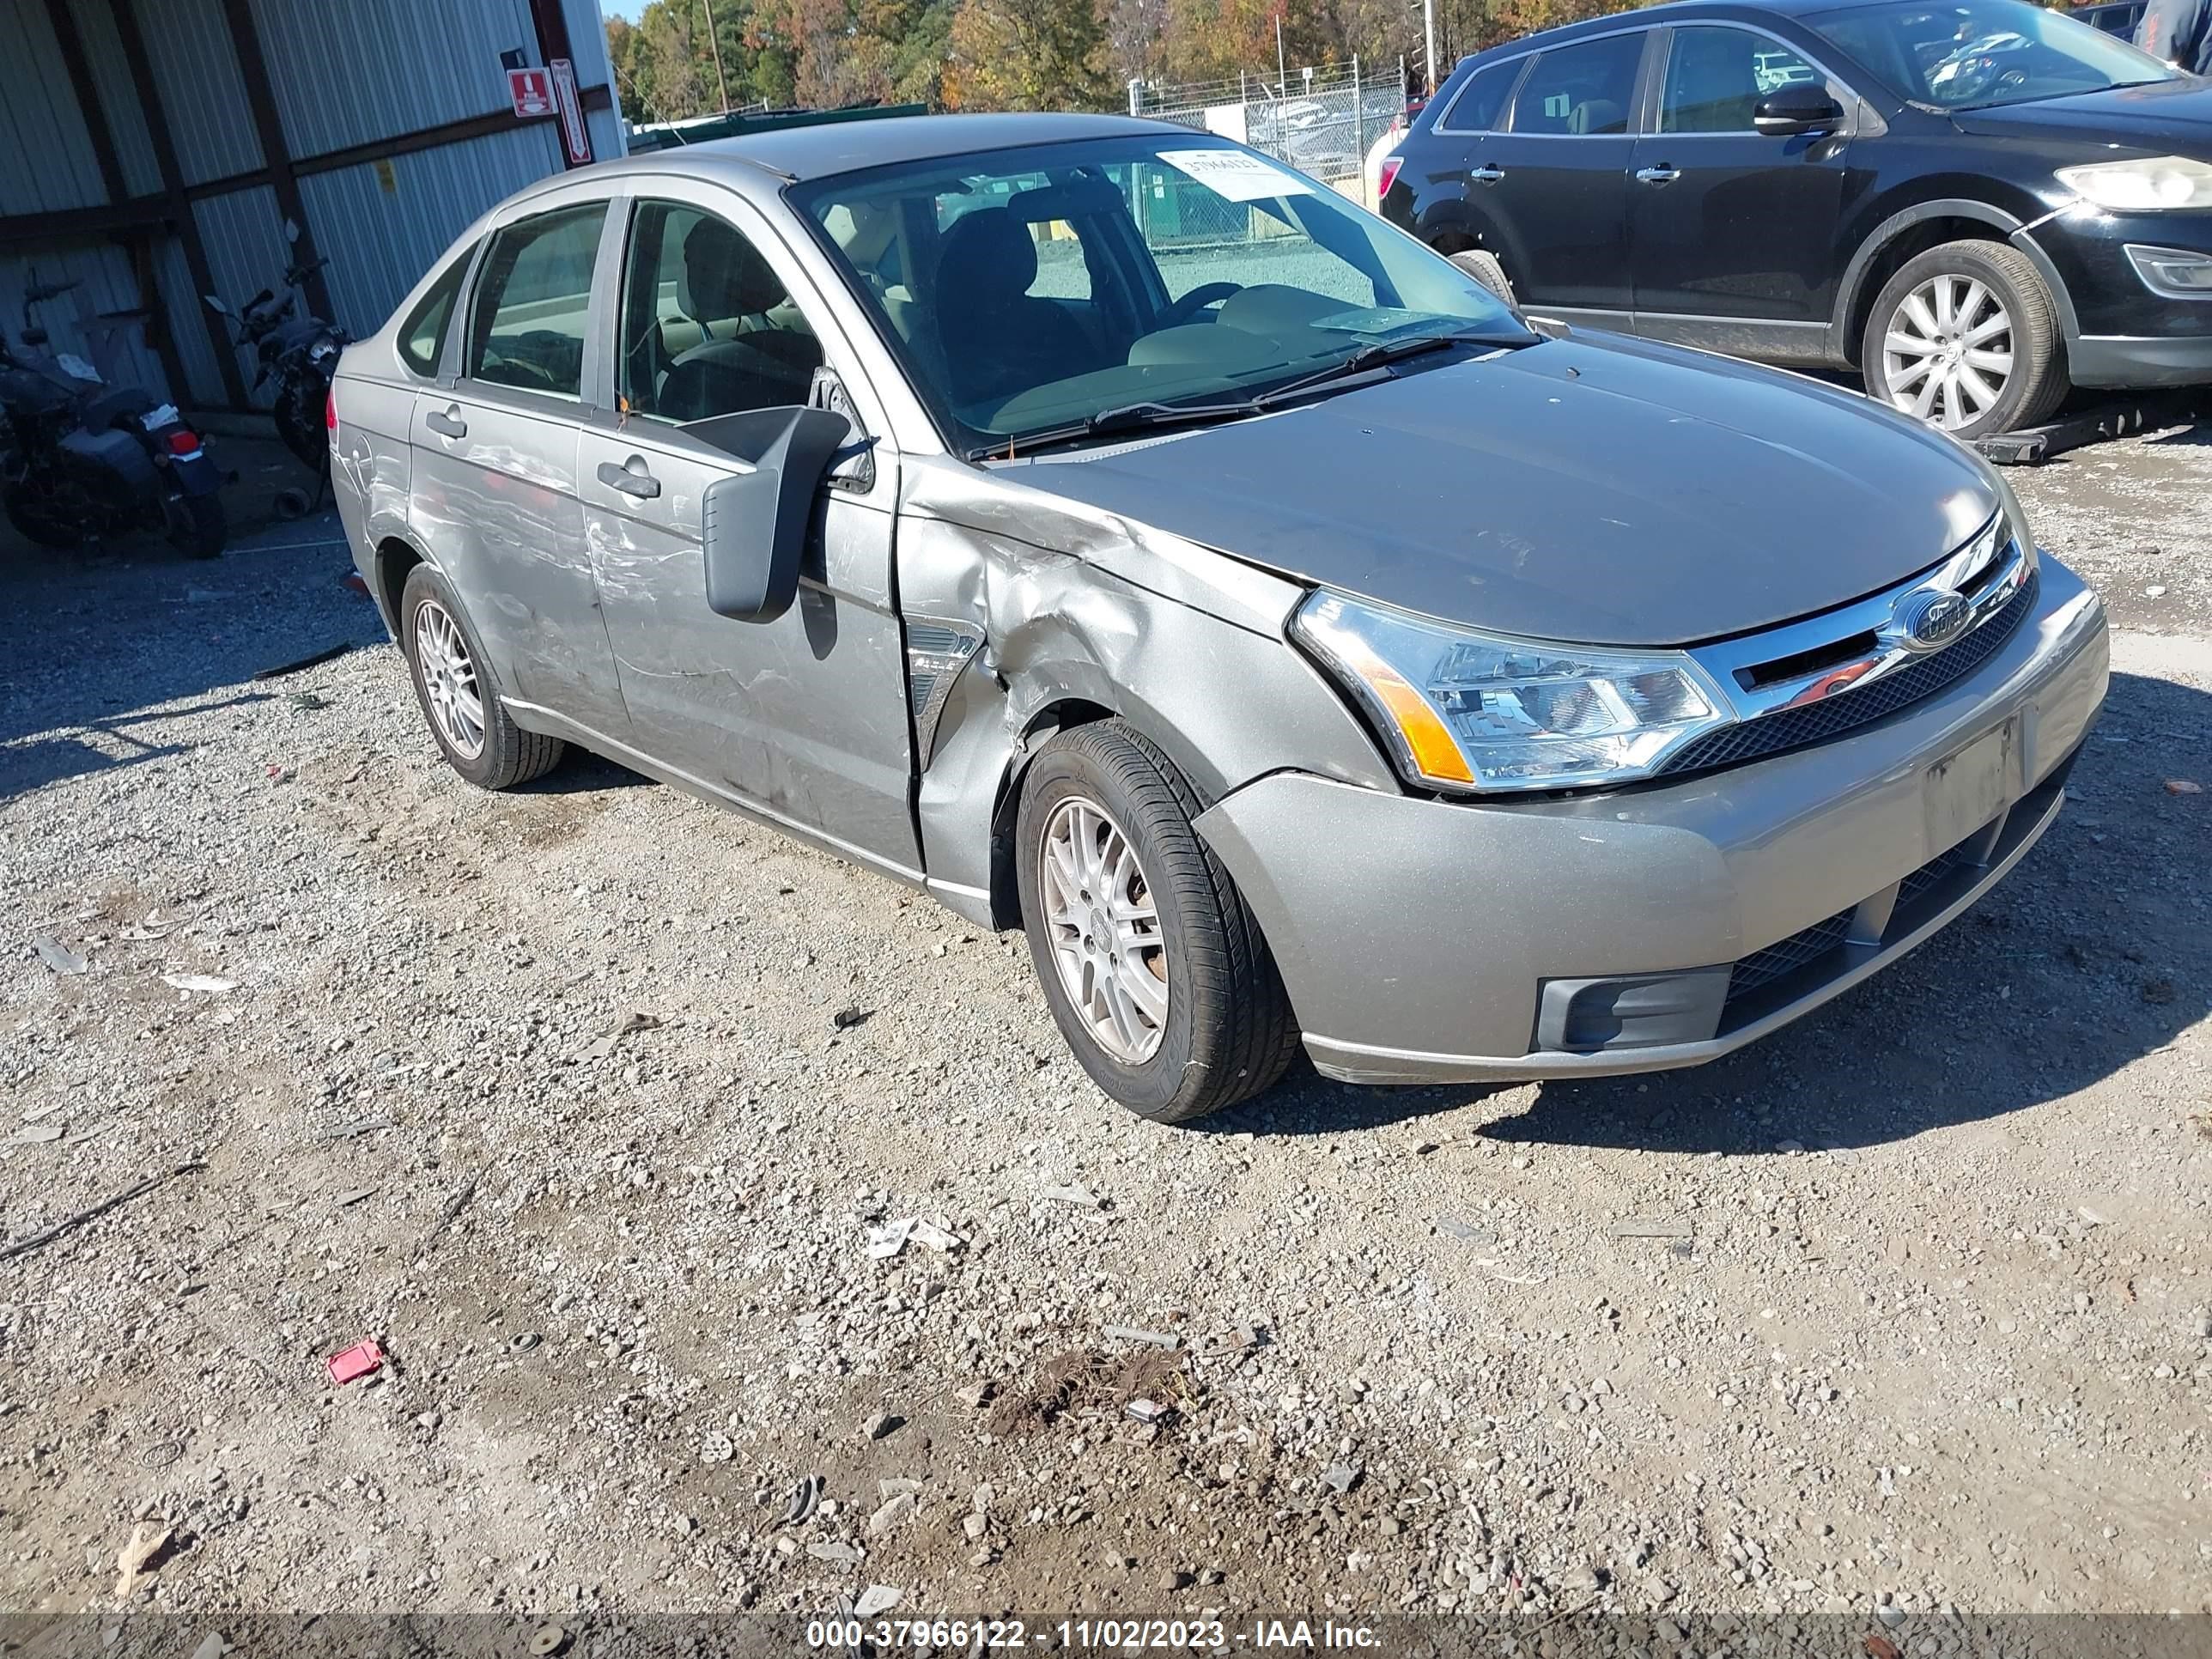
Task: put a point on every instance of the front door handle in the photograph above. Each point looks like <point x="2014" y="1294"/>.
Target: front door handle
<point x="448" y="423"/>
<point x="631" y="480"/>
<point x="1658" y="175"/>
<point x="1488" y="173"/>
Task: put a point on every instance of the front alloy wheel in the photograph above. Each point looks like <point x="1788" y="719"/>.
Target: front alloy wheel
<point x="1151" y="963"/>
<point x="1947" y="351"/>
<point x="1105" y="930"/>
<point x="1967" y="338"/>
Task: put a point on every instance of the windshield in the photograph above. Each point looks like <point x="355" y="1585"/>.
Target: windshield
<point x="1984" y="52"/>
<point x="1028" y="291"/>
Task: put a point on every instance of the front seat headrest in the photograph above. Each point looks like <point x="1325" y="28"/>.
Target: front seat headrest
<point x="723" y="276"/>
<point x="989" y="256"/>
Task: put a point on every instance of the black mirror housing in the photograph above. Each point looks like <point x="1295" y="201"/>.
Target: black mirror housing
<point x="1788" y="111"/>
<point x="754" y="524"/>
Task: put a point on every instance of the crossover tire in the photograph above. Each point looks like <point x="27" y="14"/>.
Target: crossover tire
<point x="1212" y="1025"/>
<point x="1483" y="266"/>
<point x="460" y="705"/>
<point x="1966" y="337"/>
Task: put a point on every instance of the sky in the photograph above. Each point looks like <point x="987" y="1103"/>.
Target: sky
<point x="627" y="9"/>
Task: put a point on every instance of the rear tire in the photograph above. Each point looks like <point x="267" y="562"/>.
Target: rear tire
<point x="199" y="527"/>
<point x="1483" y="266"/>
<point x="1966" y="337"/>
<point x="1104" y="831"/>
<point x="460" y="705"/>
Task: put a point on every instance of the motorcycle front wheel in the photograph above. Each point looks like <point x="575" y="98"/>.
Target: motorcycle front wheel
<point x="36" y="521"/>
<point x="303" y="431"/>
<point x="197" y="527"/>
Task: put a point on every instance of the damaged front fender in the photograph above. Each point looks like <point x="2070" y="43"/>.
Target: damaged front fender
<point x="1058" y="610"/>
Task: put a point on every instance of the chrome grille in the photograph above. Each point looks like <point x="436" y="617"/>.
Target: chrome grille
<point x="1831" y="717"/>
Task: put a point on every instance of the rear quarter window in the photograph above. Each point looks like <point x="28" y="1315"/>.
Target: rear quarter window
<point x="422" y="335"/>
<point x="1479" y="103"/>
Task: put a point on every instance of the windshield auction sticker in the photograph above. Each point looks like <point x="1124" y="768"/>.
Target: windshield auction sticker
<point x="1234" y="175"/>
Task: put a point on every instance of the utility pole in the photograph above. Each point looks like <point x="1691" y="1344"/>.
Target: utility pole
<point x="1282" y="74"/>
<point x="715" y="41"/>
<point x="1429" y="36"/>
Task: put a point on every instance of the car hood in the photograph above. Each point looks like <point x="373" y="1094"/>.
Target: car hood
<point x="1596" y="490"/>
<point x="2165" y="116"/>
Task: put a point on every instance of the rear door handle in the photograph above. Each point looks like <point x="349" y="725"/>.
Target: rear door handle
<point x="1658" y="175"/>
<point x="447" y="423"/>
<point x="631" y="480"/>
<point x="1488" y="173"/>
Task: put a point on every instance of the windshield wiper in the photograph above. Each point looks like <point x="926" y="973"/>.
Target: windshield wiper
<point x="1370" y="361"/>
<point x="1120" y="418"/>
<point x="1378" y="355"/>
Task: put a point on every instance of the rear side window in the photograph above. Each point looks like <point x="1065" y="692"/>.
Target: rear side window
<point x="532" y="302"/>
<point x="1585" y="89"/>
<point x="1482" y="100"/>
<point x="423" y="335"/>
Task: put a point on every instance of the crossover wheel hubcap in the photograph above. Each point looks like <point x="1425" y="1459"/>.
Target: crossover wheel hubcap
<point x="1104" y="929"/>
<point x="1947" y="352"/>
<point x="449" y="679"/>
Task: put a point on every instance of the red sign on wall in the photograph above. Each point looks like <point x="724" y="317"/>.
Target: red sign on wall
<point x="571" y="104"/>
<point x="533" y="90"/>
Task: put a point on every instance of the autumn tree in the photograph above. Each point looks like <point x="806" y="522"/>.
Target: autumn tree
<point x="1029" y="54"/>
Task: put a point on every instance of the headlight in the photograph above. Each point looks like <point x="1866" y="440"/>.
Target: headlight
<point x="1468" y="712"/>
<point x="2155" y="185"/>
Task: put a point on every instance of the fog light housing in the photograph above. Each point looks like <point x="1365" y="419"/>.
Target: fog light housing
<point x="2175" y="272"/>
<point x="1630" y="1010"/>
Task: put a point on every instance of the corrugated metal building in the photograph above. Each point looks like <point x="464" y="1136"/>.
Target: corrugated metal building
<point x="153" y="150"/>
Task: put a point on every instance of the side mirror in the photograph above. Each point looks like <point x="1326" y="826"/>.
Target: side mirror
<point x="1803" y="107"/>
<point x="753" y="525"/>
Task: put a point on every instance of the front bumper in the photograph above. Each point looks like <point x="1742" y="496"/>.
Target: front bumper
<point x="2129" y="334"/>
<point x="1423" y="940"/>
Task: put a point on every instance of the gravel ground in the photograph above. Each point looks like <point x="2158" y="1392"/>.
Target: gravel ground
<point x="550" y="1094"/>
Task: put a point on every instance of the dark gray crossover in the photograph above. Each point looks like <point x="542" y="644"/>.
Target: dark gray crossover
<point x="1125" y="538"/>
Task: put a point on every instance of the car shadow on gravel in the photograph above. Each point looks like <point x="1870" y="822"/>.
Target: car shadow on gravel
<point x="2092" y="953"/>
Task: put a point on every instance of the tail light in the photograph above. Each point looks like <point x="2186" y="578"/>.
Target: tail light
<point x="184" y="445"/>
<point x="330" y="410"/>
<point x="1389" y="175"/>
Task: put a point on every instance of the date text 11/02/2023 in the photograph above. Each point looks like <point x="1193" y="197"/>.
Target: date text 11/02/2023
<point x="1203" y="1635"/>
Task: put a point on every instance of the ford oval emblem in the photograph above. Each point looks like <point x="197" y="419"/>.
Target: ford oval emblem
<point x="1931" y="619"/>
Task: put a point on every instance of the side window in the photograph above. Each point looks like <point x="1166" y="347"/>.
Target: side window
<point x="1482" y="100"/>
<point x="1584" y="89"/>
<point x="708" y="327"/>
<point x="423" y="335"/>
<point x="533" y="300"/>
<point x="1715" y="77"/>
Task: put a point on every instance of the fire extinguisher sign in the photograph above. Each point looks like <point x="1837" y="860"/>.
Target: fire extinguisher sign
<point x="533" y="90"/>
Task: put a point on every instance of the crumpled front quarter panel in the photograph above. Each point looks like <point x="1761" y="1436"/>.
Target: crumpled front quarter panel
<point x="1185" y="644"/>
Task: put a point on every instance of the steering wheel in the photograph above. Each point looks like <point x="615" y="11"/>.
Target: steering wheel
<point x="1181" y="311"/>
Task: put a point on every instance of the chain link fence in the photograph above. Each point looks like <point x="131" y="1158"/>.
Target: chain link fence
<point x="1322" y="121"/>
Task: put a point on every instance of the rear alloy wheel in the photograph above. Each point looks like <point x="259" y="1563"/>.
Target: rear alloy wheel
<point x="1484" y="267"/>
<point x="1963" y="338"/>
<point x="477" y="735"/>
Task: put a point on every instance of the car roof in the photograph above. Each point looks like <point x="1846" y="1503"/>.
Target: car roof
<point x="821" y="152"/>
<point x="1672" y="11"/>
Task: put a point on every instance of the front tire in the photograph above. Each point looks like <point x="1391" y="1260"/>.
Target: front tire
<point x="1153" y="966"/>
<point x="461" y="706"/>
<point x="26" y="511"/>
<point x="1966" y="338"/>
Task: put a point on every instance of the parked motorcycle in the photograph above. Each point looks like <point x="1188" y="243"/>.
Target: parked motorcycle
<point x="301" y="350"/>
<point x="83" y="460"/>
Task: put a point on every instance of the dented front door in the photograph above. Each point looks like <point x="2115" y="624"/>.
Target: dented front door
<point x="804" y="718"/>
